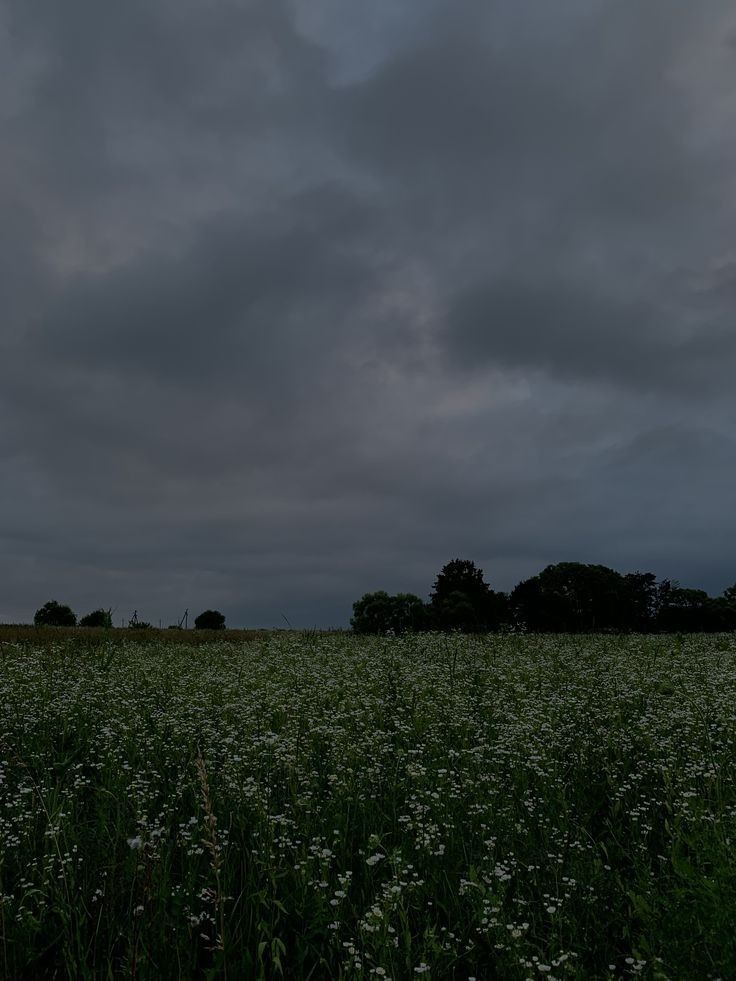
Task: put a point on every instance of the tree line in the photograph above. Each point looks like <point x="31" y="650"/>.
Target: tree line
<point x="568" y="597"/>
<point x="54" y="614"/>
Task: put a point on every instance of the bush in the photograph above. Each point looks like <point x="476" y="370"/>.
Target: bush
<point x="462" y="600"/>
<point x="210" y="620"/>
<point x="53" y="614"/>
<point x="379" y="613"/>
<point x="97" y="618"/>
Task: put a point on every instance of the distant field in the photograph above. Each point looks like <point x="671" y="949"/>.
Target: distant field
<point x="327" y="806"/>
<point x="93" y="636"/>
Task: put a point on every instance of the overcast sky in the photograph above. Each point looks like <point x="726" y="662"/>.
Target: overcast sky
<point x="302" y="300"/>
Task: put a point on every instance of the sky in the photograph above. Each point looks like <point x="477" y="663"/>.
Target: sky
<point x="300" y="300"/>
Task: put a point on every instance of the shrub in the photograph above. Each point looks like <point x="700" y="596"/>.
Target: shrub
<point x="53" y="614"/>
<point x="210" y="620"/>
<point x="97" y="618"/>
<point x="379" y="613"/>
<point x="462" y="600"/>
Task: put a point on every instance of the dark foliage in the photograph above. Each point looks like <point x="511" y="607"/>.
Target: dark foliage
<point x="210" y="620"/>
<point x="379" y="613"/>
<point x="572" y="597"/>
<point x="692" y="610"/>
<point x="97" y="618"/>
<point x="53" y="614"/>
<point x="462" y="600"/>
<point x="569" y="597"/>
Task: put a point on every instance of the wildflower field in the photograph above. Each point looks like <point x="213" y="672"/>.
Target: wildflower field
<point x="328" y="806"/>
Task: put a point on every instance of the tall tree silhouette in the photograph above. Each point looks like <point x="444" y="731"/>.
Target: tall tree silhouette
<point x="53" y="614"/>
<point x="573" y="597"/>
<point x="462" y="600"/>
<point x="377" y="613"/>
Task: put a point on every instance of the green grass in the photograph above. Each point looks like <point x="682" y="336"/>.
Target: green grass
<point x="334" y="807"/>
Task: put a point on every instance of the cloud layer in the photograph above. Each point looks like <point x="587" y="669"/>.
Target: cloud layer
<point x="303" y="299"/>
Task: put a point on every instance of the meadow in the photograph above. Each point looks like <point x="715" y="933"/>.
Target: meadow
<point x="329" y="806"/>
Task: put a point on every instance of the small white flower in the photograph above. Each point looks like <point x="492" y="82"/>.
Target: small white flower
<point x="135" y="843"/>
<point x="374" y="859"/>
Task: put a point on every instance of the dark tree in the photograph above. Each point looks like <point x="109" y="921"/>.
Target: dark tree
<point x="721" y="614"/>
<point x="686" y="610"/>
<point x="372" y="613"/>
<point x="210" y="620"/>
<point x="379" y="613"/>
<point x="572" y="597"/>
<point x="462" y="600"/>
<point x="641" y="600"/>
<point x="97" y="618"/>
<point x="409" y="613"/>
<point x="532" y="608"/>
<point x="724" y="609"/>
<point x="456" y="611"/>
<point x="53" y="614"/>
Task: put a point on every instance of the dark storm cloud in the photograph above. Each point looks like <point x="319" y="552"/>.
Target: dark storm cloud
<point x="298" y="304"/>
<point x="256" y="286"/>
<point x="572" y="332"/>
<point x="566" y="170"/>
<point x="587" y="114"/>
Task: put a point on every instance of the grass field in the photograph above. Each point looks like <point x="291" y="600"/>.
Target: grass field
<point x="333" y="807"/>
